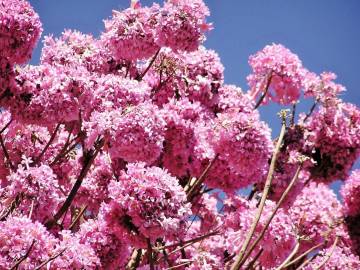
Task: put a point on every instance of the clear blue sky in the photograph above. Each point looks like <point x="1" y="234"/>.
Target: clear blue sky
<point x="324" y="33"/>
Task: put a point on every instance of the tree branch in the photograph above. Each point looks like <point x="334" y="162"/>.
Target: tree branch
<point x="269" y="77"/>
<point x="53" y="135"/>
<point x="23" y="258"/>
<point x="50" y="259"/>
<point x="282" y="198"/>
<point x="89" y="157"/>
<point x="139" y="78"/>
<point x="239" y="258"/>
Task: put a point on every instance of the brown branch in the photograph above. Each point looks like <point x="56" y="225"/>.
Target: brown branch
<point x="6" y="153"/>
<point x="89" y="157"/>
<point x="6" y="126"/>
<point x="139" y="78"/>
<point x="150" y="254"/>
<point x="50" y="259"/>
<point x="75" y="221"/>
<point x="269" y="77"/>
<point x="200" y="180"/>
<point x="23" y="258"/>
<point x="134" y="259"/>
<point x="239" y="259"/>
<point x="38" y="159"/>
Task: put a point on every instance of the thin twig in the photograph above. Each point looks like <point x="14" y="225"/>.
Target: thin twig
<point x="252" y="193"/>
<point x="201" y="179"/>
<point x="179" y="265"/>
<point x="328" y="255"/>
<point x="277" y="206"/>
<point x="293" y="113"/>
<point x="304" y="254"/>
<point x="31" y="208"/>
<point x="14" y="203"/>
<point x="269" y="77"/>
<point x="191" y="242"/>
<point x="236" y="265"/>
<point x="251" y="264"/>
<point x="311" y="110"/>
<point x="6" y="126"/>
<point x="64" y="151"/>
<point x="307" y="261"/>
<point x="53" y="135"/>
<point x="23" y="258"/>
<point x="50" y="259"/>
<point x="291" y="255"/>
<point x="139" y="78"/>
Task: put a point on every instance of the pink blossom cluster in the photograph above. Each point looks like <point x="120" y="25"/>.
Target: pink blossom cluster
<point x="130" y="34"/>
<point x="316" y="213"/>
<point x="238" y="219"/>
<point x="135" y="133"/>
<point x="146" y="203"/>
<point x="20" y="29"/>
<point x="277" y="68"/>
<point x="47" y="93"/>
<point x="350" y="193"/>
<point x="129" y="151"/>
<point x="332" y="139"/>
<point x="340" y="257"/>
<point x="239" y="139"/>
<point x="182" y="24"/>
<point x="33" y="187"/>
<point x="322" y="87"/>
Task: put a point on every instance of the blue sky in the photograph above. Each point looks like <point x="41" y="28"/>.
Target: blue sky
<point x="324" y="33"/>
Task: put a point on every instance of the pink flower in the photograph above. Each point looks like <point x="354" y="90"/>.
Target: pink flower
<point x="130" y="33"/>
<point x="316" y="213"/>
<point x="34" y="187"/>
<point x="146" y="203"/>
<point x="284" y="70"/>
<point x="332" y="139"/>
<point x="240" y="139"/>
<point x="20" y="29"/>
<point x="17" y="234"/>
<point x="239" y="215"/>
<point x="322" y="87"/>
<point x="350" y="193"/>
<point x="182" y="24"/>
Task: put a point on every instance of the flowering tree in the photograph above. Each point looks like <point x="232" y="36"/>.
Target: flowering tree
<point x="115" y="151"/>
